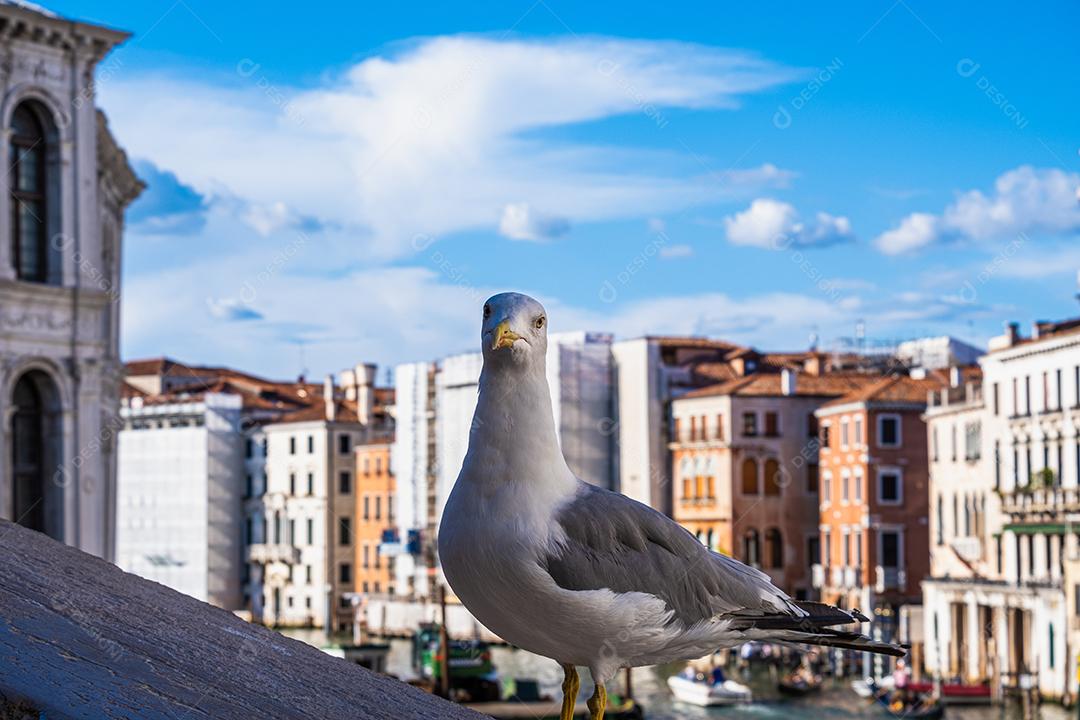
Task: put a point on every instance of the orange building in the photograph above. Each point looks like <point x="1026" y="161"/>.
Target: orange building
<point x="745" y="469"/>
<point x="875" y="545"/>
<point x="374" y="494"/>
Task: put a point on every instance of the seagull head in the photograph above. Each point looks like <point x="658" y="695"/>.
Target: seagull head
<point x="514" y="328"/>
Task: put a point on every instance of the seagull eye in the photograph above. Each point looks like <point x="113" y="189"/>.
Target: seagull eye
<point x="539" y="323"/>
<point x="487" y="311"/>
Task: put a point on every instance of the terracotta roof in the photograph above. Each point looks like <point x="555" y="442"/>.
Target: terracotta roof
<point x="156" y="366"/>
<point x="345" y="411"/>
<point x="127" y="390"/>
<point x="769" y="384"/>
<point x="692" y="342"/>
<point x="892" y="389"/>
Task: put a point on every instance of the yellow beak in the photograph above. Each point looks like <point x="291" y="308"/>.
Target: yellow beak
<point x="504" y="336"/>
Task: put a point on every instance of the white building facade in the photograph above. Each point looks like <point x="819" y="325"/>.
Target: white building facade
<point x="179" y="506"/>
<point x="1009" y="612"/>
<point x="66" y="185"/>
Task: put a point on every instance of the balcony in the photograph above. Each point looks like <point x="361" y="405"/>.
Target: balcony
<point x="817" y="575"/>
<point x="1049" y="500"/>
<point x="890" y="578"/>
<point x="836" y="576"/>
<point x="266" y="553"/>
<point x="851" y="577"/>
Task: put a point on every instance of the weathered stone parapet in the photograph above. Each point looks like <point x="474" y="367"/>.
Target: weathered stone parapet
<point x="80" y="638"/>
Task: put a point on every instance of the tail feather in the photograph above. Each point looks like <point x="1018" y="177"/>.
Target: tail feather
<point x="814" y="628"/>
<point x="846" y="640"/>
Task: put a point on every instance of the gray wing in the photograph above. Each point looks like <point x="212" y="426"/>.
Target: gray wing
<point x="617" y="543"/>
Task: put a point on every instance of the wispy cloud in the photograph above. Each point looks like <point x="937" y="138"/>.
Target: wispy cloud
<point x="1024" y="200"/>
<point x="441" y="136"/>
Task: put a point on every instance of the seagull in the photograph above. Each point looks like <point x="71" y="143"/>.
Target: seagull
<point x="580" y="574"/>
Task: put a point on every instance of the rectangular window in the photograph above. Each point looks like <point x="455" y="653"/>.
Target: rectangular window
<point x="292" y="532"/>
<point x="811" y="425"/>
<point x="310" y="444"/>
<point x="719" y="427"/>
<point x="858" y="439"/>
<point x="890" y="549"/>
<point x="311" y="483"/>
<point x="889" y="431"/>
<point x="749" y="424"/>
<point x="934" y="443"/>
<point x="972" y="441"/>
<point x="826" y="488"/>
<point x="826" y="548"/>
<point x="812" y="477"/>
<point x="345" y="482"/>
<point x="344" y="443"/>
<point x="845" y="481"/>
<point x="1016" y="396"/>
<point x="1057" y="389"/>
<point x="1046" y="392"/>
<point x="345" y="573"/>
<point x="845" y="547"/>
<point x="813" y="550"/>
<point x="1027" y="394"/>
<point x="292" y="483"/>
<point x="772" y="424"/>
<point x="997" y="400"/>
<point x="307" y="574"/>
<point x="345" y="531"/>
<point x="310" y="531"/>
<point x="249" y="530"/>
<point x="367" y="555"/>
<point x="249" y="447"/>
<point x="378" y="507"/>
<point x="889" y="486"/>
<point x="843" y="433"/>
<point x="857" y="480"/>
<point x="249" y="486"/>
<point x="825" y="435"/>
<point x="693" y="427"/>
<point x="367" y="507"/>
<point x="292" y="446"/>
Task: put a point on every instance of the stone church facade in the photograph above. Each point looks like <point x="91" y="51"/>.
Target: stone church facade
<point x="64" y="190"/>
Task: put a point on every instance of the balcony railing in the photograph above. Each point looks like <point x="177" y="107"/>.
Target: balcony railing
<point x="1041" y="500"/>
<point x="265" y="553"/>
<point x="817" y="575"/>
<point x="890" y="578"/>
<point x="851" y="577"/>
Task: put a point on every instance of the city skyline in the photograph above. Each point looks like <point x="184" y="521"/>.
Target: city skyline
<point x="361" y="195"/>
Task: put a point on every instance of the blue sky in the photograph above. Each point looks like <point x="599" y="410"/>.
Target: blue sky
<point x="350" y="183"/>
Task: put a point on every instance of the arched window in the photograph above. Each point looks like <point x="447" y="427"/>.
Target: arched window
<point x="36" y="494"/>
<point x="752" y="548"/>
<point x="28" y="162"/>
<point x="749" y="477"/>
<point x="773" y="479"/>
<point x="774" y="548"/>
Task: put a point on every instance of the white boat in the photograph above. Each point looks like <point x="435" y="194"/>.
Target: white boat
<point x="728" y="692"/>
<point x="868" y="687"/>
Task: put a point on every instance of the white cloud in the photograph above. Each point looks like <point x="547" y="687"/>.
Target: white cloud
<point x="773" y="225"/>
<point x="521" y="222"/>
<point x="1025" y="200"/>
<point x="915" y="231"/>
<point x="442" y="136"/>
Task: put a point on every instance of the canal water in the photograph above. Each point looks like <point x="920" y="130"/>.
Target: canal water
<point x="836" y="700"/>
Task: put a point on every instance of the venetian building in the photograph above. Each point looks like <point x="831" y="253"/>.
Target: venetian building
<point x="66" y="186"/>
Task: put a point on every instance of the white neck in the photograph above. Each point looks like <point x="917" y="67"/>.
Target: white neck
<point x="513" y="435"/>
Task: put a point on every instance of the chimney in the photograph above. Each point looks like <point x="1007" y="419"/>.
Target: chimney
<point x="365" y="392"/>
<point x="1012" y="332"/>
<point x="954" y="376"/>
<point x="328" y="398"/>
<point x="814" y="364"/>
<point x="788" y="381"/>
